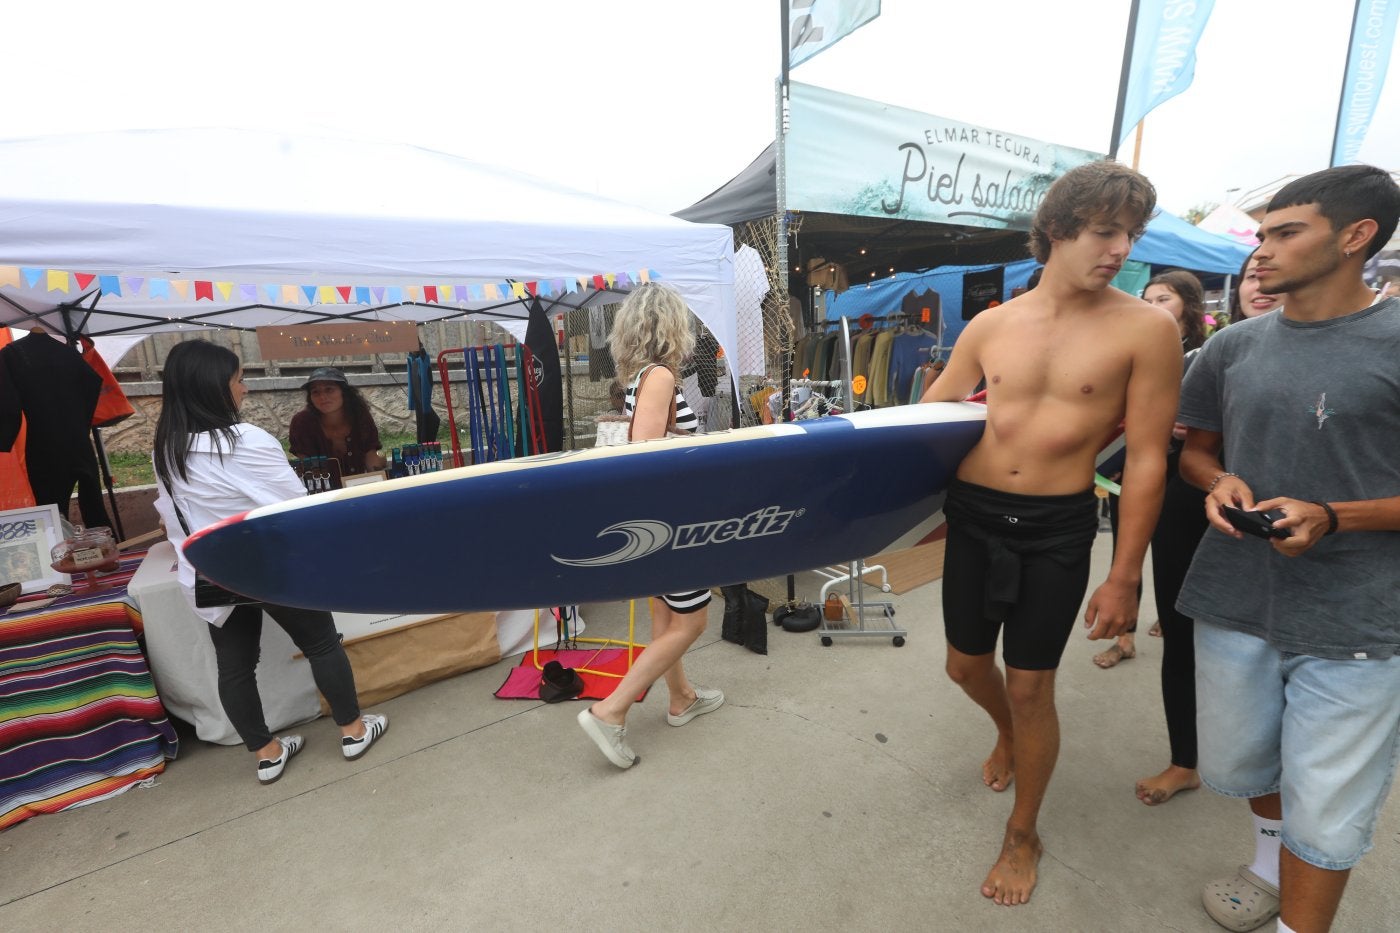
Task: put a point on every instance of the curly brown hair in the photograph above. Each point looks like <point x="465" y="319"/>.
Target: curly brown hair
<point x="1086" y="193"/>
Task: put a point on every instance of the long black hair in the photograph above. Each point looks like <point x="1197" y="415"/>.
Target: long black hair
<point x="195" y="398"/>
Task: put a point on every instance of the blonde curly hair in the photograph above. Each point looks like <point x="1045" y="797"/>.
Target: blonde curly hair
<point x="653" y="325"/>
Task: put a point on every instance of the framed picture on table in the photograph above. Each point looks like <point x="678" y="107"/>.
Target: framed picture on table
<point x="27" y="536"/>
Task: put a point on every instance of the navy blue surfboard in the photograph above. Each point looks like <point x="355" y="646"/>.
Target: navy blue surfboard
<point x="604" y="524"/>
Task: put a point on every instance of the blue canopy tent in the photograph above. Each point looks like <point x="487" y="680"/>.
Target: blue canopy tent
<point x="1169" y="241"/>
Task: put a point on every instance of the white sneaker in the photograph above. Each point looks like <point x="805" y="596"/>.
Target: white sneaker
<point x="375" y="726"/>
<point x="706" y="701"/>
<point x="611" y="740"/>
<point x="270" y="769"/>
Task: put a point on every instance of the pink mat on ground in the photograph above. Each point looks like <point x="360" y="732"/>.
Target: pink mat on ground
<point x="523" y="682"/>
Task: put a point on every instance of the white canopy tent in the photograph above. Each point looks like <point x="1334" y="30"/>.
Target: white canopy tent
<point x="141" y="232"/>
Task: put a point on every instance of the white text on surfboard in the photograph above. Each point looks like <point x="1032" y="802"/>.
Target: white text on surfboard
<point x="646" y="536"/>
<point x="769" y="521"/>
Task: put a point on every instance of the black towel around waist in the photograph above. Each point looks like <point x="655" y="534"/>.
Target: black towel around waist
<point x="1012" y="526"/>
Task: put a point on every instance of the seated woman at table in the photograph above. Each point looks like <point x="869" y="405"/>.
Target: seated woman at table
<point x="336" y="423"/>
<point x="210" y="466"/>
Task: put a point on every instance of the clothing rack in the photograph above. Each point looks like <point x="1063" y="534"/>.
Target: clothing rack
<point x="857" y="606"/>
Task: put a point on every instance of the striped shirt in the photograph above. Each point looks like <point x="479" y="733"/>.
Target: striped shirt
<point x="685" y="418"/>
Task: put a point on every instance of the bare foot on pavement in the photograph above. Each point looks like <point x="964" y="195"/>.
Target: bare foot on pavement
<point x="1012" y="878"/>
<point x="1118" y="651"/>
<point x="999" y="770"/>
<point x="1162" y="787"/>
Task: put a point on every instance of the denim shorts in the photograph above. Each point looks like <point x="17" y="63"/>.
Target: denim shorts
<point x="1324" y="734"/>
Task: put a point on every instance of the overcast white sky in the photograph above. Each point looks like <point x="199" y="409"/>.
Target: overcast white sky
<point x="658" y="102"/>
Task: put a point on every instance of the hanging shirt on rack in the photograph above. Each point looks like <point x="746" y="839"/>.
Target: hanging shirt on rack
<point x="600" y="361"/>
<point x="833" y="363"/>
<point x="860" y="362"/>
<point x="879" y="391"/>
<point x="914" y="303"/>
<point x="910" y="351"/>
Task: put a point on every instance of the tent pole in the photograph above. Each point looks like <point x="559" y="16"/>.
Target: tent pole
<point x="107" y="479"/>
<point x="70" y="333"/>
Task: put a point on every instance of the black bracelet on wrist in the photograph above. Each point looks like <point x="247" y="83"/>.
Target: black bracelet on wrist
<point x="1331" y="518"/>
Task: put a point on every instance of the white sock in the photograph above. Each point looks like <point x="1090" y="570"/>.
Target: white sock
<point x="1266" y="840"/>
<point x="1285" y="928"/>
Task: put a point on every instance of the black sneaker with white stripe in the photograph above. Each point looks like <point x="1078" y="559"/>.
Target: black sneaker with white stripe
<point x="375" y="726"/>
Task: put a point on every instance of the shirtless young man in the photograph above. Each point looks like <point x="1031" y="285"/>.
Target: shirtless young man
<point x="1064" y="364"/>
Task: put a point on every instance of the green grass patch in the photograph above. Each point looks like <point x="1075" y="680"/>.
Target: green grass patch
<point x="135" y="469"/>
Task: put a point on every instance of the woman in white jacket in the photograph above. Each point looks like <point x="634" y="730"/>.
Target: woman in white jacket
<point x="211" y="466"/>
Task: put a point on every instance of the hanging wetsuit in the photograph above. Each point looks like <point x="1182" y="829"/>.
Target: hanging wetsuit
<point x="420" y="395"/>
<point x="49" y="384"/>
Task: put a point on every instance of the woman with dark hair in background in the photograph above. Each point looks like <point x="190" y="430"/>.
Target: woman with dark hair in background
<point x="1248" y="300"/>
<point x="1180" y="293"/>
<point x="212" y="466"/>
<point x="1179" y="528"/>
<point x="336" y="422"/>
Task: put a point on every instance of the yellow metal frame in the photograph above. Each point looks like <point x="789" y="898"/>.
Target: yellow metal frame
<point x="630" y="644"/>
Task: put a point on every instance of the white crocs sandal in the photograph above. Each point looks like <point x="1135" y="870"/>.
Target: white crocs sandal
<point x="1242" y="902"/>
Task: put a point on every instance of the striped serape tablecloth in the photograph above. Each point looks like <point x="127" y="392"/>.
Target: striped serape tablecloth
<point x="80" y="720"/>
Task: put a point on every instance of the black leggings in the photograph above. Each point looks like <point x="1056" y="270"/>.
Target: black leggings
<point x="1174" y="541"/>
<point x="238" y="646"/>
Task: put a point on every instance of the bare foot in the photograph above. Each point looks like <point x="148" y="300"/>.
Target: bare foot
<point x="999" y="770"/>
<point x="1114" y="653"/>
<point x="1162" y="787"/>
<point x="1156" y="630"/>
<point x="1012" y="878"/>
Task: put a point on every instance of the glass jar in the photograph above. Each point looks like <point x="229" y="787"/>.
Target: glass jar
<point x="86" y="549"/>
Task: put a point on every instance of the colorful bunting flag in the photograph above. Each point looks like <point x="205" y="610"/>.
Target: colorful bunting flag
<point x="62" y="280"/>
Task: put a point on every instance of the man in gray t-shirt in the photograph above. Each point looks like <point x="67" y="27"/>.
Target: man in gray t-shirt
<point x="1298" y="633"/>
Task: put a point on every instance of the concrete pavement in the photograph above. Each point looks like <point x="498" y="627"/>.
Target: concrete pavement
<point x="838" y="789"/>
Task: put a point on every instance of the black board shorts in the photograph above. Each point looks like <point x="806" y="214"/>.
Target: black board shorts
<point x="1017" y="566"/>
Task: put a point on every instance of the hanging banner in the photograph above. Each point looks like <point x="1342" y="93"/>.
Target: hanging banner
<point x="982" y="290"/>
<point x="1163" y="56"/>
<point x="307" y="341"/>
<point x="1368" y="57"/>
<point x="816" y="25"/>
<point x="849" y="155"/>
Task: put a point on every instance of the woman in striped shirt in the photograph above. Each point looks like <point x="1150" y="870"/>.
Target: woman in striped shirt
<point x="652" y="334"/>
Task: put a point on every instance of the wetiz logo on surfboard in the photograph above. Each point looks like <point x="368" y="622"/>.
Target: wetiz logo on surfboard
<point x="647" y="536"/>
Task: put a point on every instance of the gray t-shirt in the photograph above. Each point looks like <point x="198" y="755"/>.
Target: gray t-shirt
<point x="1308" y="410"/>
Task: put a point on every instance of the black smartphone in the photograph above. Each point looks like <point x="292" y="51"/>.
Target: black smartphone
<point x="1259" y="524"/>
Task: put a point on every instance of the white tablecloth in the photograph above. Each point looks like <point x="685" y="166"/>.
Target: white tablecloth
<point x="181" y="655"/>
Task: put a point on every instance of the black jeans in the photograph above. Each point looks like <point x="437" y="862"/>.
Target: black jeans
<point x="1179" y="529"/>
<point x="238" y="646"/>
